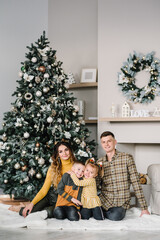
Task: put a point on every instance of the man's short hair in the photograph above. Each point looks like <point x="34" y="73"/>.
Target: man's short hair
<point x="107" y="133"/>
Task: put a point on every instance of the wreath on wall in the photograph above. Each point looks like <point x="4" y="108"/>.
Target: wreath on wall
<point x="127" y="81"/>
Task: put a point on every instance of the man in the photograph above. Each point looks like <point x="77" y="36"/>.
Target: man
<point x="118" y="172"/>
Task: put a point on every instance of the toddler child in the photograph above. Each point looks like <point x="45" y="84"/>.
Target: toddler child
<point x="69" y="195"/>
<point x="89" y="199"/>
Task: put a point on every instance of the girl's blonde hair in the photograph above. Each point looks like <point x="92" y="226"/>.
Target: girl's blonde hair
<point x="92" y="163"/>
<point x="56" y="165"/>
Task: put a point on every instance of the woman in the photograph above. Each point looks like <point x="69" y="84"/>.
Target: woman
<point x="62" y="161"/>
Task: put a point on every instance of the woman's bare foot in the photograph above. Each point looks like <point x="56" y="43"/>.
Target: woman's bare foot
<point x="16" y="208"/>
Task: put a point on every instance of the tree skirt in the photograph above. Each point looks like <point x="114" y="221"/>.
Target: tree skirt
<point x="132" y="221"/>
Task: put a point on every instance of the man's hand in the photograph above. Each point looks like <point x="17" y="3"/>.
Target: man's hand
<point x="77" y="202"/>
<point x="144" y="212"/>
<point x="27" y="210"/>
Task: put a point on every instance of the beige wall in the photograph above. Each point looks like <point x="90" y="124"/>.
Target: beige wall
<point x="125" y="26"/>
<point x="73" y="33"/>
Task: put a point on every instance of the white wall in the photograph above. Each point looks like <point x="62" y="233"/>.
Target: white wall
<point x="21" y="23"/>
<point x="125" y="26"/>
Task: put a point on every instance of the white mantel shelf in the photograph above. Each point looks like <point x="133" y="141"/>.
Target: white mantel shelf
<point x="130" y="119"/>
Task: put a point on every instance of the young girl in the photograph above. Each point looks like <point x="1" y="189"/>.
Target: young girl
<point x="63" y="159"/>
<point x="89" y="199"/>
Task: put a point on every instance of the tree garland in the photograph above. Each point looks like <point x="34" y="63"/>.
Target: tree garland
<point x="126" y="79"/>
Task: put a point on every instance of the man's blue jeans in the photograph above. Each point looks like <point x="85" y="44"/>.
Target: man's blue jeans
<point x="115" y="213"/>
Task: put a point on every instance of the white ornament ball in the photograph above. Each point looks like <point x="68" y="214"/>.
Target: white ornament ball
<point x="34" y="59"/>
<point x="38" y="94"/>
<point x="17" y="166"/>
<point x="74" y="113"/>
<point x="9" y="160"/>
<point x="20" y="74"/>
<point x="38" y="175"/>
<point x="30" y="85"/>
<point x="46" y="75"/>
<point x="19" y="94"/>
<point x="41" y="161"/>
<point x="49" y="119"/>
<point x="21" y="181"/>
<point x="26" y="135"/>
<point x="1" y="162"/>
<point x="5" y="181"/>
<point x="45" y="89"/>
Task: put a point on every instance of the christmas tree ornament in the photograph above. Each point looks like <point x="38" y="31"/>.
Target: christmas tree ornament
<point x="60" y="90"/>
<point x="27" y="77"/>
<point x="5" y="181"/>
<point x="36" y="149"/>
<point x="45" y="89"/>
<point x="37" y="79"/>
<point x="42" y="69"/>
<point x="37" y="144"/>
<point x="46" y="75"/>
<point x="31" y="172"/>
<point x="21" y="181"/>
<point x="19" y="94"/>
<point x="24" y="168"/>
<point x="38" y="175"/>
<point x="34" y="59"/>
<point x="8" y="160"/>
<point x="23" y="69"/>
<point x="1" y="162"/>
<point x="30" y="85"/>
<point x="38" y="103"/>
<point x="26" y="135"/>
<point x="49" y="119"/>
<point x="23" y="153"/>
<point x="41" y="161"/>
<point x="38" y="93"/>
<point x="4" y="137"/>
<point x="28" y="96"/>
<point x="17" y="166"/>
<point x="20" y="74"/>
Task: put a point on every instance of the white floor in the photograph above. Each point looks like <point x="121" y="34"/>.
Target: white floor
<point x="26" y="234"/>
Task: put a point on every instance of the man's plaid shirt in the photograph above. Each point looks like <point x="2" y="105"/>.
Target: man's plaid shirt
<point x="116" y="178"/>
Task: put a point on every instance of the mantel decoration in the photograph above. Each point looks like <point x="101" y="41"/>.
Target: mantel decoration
<point x="127" y="81"/>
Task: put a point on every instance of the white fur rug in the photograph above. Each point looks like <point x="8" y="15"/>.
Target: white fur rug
<point x="132" y="221"/>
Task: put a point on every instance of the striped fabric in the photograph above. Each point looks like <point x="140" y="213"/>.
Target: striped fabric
<point x="114" y="182"/>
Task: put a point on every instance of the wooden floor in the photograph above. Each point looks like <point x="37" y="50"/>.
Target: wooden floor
<point x="6" y="199"/>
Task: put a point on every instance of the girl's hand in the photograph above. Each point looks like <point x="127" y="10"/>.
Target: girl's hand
<point x="76" y="201"/>
<point x="27" y="210"/>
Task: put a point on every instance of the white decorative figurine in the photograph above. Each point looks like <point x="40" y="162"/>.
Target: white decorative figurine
<point x="156" y="112"/>
<point x="125" y="110"/>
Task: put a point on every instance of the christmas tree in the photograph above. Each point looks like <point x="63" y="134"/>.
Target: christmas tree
<point x="42" y="114"/>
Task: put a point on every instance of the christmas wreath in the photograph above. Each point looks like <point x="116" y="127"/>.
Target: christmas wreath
<point x="127" y="81"/>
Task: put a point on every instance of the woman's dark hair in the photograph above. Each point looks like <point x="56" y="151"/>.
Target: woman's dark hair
<point x="56" y="162"/>
<point x="55" y="149"/>
<point x="107" y="133"/>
